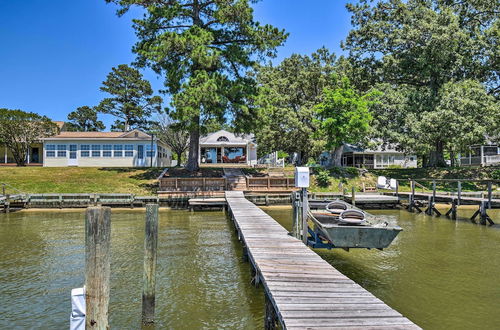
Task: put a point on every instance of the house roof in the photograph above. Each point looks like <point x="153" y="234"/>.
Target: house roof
<point x="224" y="137"/>
<point x="134" y="135"/>
<point x="59" y="124"/>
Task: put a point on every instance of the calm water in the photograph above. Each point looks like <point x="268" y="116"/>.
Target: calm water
<point x="439" y="273"/>
<point x="201" y="280"/>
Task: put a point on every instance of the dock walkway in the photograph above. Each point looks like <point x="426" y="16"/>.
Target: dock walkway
<point x="302" y="290"/>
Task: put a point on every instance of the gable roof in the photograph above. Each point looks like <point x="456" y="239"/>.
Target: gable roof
<point x="232" y="139"/>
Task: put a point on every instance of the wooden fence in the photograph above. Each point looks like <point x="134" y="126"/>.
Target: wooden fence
<point x="193" y="184"/>
<point x="221" y="184"/>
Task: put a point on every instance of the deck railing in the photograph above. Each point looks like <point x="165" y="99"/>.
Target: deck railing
<point x="192" y="184"/>
<point x="167" y="184"/>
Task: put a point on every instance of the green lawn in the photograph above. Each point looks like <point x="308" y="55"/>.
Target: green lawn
<point x="39" y="180"/>
<point x="142" y="181"/>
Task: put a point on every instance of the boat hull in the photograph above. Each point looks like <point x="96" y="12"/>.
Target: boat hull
<point x="355" y="236"/>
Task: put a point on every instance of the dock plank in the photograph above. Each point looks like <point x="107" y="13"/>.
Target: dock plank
<point x="306" y="291"/>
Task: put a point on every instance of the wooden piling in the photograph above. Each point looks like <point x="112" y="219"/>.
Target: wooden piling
<point x="270" y="317"/>
<point x="97" y="266"/>
<point x="490" y="192"/>
<point x="353" y="196"/>
<point x="149" y="277"/>
<point x="428" y="211"/>
<point x="305" y="208"/>
<point x="459" y="192"/>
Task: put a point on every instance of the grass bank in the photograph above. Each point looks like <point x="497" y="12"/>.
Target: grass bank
<point x="39" y="180"/>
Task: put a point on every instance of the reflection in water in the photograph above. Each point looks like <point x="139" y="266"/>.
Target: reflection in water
<point x="201" y="279"/>
<point x="441" y="274"/>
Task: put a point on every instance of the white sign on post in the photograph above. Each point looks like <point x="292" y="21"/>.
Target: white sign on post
<point x="302" y="177"/>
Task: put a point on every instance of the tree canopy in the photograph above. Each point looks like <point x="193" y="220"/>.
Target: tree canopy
<point x="19" y="129"/>
<point x="84" y="119"/>
<point x="417" y="50"/>
<point x="287" y="98"/>
<point x="344" y="116"/>
<point x="203" y="49"/>
<point x="131" y="101"/>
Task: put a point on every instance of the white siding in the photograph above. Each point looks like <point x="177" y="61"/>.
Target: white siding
<point x="117" y="158"/>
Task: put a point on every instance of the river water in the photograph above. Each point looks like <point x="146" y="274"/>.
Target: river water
<point x="440" y="273"/>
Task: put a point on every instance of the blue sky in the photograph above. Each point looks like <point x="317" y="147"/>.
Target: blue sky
<point x="54" y="54"/>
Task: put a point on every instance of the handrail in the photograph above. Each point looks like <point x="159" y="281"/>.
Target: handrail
<point x="3" y="184"/>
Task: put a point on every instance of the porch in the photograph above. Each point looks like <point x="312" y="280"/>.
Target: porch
<point x="224" y="154"/>
<point x="33" y="158"/>
<point x="485" y="155"/>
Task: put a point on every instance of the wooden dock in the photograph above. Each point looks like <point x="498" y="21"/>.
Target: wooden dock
<point x="302" y="290"/>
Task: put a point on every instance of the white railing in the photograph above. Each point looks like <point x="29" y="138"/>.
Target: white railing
<point x="489" y="160"/>
<point x="466" y="161"/>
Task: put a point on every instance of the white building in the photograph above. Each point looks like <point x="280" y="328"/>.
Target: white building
<point x="374" y="158"/>
<point x="482" y="155"/>
<point x="105" y="149"/>
<point x="223" y="147"/>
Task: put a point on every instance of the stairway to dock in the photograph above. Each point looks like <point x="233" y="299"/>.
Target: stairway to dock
<point x="302" y="290"/>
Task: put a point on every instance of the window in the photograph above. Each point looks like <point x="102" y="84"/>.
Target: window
<point x="129" y="150"/>
<point x="84" y="150"/>
<point x="61" y="150"/>
<point x="150" y="153"/>
<point x="50" y="150"/>
<point x="222" y="139"/>
<point x="72" y="147"/>
<point x="118" y="150"/>
<point x="106" y="150"/>
<point x="96" y="150"/>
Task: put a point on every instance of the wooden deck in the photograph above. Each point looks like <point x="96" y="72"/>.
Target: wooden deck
<point x="302" y="290"/>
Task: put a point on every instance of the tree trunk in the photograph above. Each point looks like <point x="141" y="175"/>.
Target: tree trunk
<point x="436" y="157"/>
<point x="337" y="156"/>
<point x="452" y="159"/>
<point x="194" y="142"/>
<point x="179" y="158"/>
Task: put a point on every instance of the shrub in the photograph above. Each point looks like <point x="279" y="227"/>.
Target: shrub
<point x="394" y="166"/>
<point x="495" y="175"/>
<point x="323" y="178"/>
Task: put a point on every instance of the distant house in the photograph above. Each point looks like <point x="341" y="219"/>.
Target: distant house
<point x="376" y="158"/>
<point x="482" y="155"/>
<point x="223" y="147"/>
<point x="105" y="149"/>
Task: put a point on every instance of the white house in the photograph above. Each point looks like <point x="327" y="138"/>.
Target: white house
<point x="371" y="158"/>
<point x="482" y="155"/>
<point x="224" y="147"/>
<point x="105" y="149"/>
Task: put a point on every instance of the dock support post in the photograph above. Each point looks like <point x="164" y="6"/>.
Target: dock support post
<point x="353" y="196"/>
<point x="412" y="196"/>
<point x="270" y="318"/>
<point x="459" y="192"/>
<point x="97" y="266"/>
<point x="149" y="277"/>
<point x="452" y="210"/>
<point x="428" y="210"/>
<point x="305" y="207"/>
<point x="489" y="194"/>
